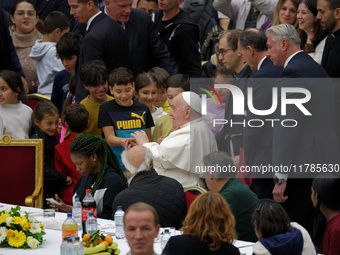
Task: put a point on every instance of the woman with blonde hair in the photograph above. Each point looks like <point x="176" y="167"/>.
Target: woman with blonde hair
<point x="209" y="228"/>
<point x="284" y="12"/>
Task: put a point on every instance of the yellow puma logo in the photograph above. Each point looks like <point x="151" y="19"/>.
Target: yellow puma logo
<point x="138" y="116"/>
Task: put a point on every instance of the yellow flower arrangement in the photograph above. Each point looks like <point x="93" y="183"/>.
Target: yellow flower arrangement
<point x="3" y="217"/>
<point x="19" y="230"/>
<point x="17" y="240"/>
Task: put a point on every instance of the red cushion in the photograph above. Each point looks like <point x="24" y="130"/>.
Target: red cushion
<point x="17" y="174"/>
<point x="32" y="103"/>
<point x="190" y="198"/>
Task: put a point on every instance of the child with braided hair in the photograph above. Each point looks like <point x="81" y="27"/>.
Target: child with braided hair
<point x="100" y="170"/>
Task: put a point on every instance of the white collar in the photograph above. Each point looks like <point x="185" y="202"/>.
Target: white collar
<point x="260" y="63"/>
<point x="91" y="19"/>
<point x="120" y="23"/>
<point x="290" y="57"/>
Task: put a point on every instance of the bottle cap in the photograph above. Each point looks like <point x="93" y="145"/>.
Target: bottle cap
<point x="88" y="191"/>
<point x="119" y="207"/>
<point x="69" y="240"/>
<point x="166" y="231"/>
<point x="65" y="239"/>
<point x="90" y="214"/>
<point x="77" y="238"/>
<point x="76" y="197"/>
<point x="69" y="215"/>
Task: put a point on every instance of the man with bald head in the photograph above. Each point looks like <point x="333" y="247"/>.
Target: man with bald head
<point x="146" y="46"/>
<point x="165" y="194"/>
<point x="180" y="155"/>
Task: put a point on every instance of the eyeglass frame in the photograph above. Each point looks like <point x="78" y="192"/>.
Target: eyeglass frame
<point x="22" y="13"/>
<point x="223" y="51"/>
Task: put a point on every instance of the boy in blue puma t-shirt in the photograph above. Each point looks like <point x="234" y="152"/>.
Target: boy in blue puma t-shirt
<point x="123" y="116"/>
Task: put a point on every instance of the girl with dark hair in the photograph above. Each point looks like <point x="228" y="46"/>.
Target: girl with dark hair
<point x="100" y="170"/>
<point x="277" y="235"/>
<point x="313" y="38"/>
<point x="15" y="117"/>
<point x="146" y="92"/>
<point x="45" y="118"/>
<point x="161" y="76"/>
<point x="24" y="34"/>
<point x="325" y="198"/>
<point x="209" y="228"/>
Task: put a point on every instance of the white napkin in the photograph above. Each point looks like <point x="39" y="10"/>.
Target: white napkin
<point x="53" y="223"/>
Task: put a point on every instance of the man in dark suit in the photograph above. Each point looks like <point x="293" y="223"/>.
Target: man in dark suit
<point x="146" y="47"/>
<point x="329" y="17"/>
<point x="257" y="141"/>
<point x="230" y="138"/>
<point x="105" y="40"/>
<point x="311" y="140"/>
<point x="330" y="21"/>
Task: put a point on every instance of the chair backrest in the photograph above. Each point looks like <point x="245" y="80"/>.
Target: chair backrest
<point x="191" y="193"/>
<point x="22" y="171"/>
<point x="34" y="98"/>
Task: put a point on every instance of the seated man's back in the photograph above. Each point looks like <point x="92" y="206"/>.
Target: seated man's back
<point x="165" y="194"/>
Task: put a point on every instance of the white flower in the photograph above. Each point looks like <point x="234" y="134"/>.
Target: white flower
<point x="32" y="242"/>
<point x="2" y="234"/>
<point x="35" y="228"/>
<point x="22" y="214"/>
<point x="7" y="210"/>
<point x="32" y="219"/>
<point x="9" y="221"/>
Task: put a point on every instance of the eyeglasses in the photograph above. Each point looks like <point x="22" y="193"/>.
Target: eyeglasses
<point x="223" y="51"/>
<point x="22" y="13"/>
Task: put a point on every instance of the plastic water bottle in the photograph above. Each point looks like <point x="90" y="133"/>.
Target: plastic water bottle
<point x="88" y="205"/>
<point x="69" y="228"/>
<point x="119" y="222"/>
<point x="91" y="224"/>
<point x="62" y="246"/>
<point x="70" y="249"/>
<point x="76" y="212"/>
<point x="79" y="247"/>
<point x="166" y="236"/>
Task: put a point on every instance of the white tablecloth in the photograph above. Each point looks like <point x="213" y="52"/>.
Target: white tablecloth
<point x="53" y="237"/>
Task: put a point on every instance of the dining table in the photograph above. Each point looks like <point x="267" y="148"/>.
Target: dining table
<point x="53" y="237"/>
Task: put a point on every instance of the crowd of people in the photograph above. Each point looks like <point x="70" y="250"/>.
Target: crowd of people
<point x="123" y="115"/>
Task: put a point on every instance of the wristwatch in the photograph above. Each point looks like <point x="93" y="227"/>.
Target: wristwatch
<point x="279" y="181"/>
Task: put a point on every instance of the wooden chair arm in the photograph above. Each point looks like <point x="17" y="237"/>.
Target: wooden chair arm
<point x="38" y="96"/>
<point x="29" y="201"/>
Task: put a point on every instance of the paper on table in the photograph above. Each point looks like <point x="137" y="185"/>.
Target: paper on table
<point x="106" y="226"/>
<point x="53" y="223"/>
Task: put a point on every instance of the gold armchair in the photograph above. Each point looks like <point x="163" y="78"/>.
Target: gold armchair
<point x="195" y="188"/>
<point x="38" y="97"/>
<point x="22" y="171"/>
<point x="191" y="193"/>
